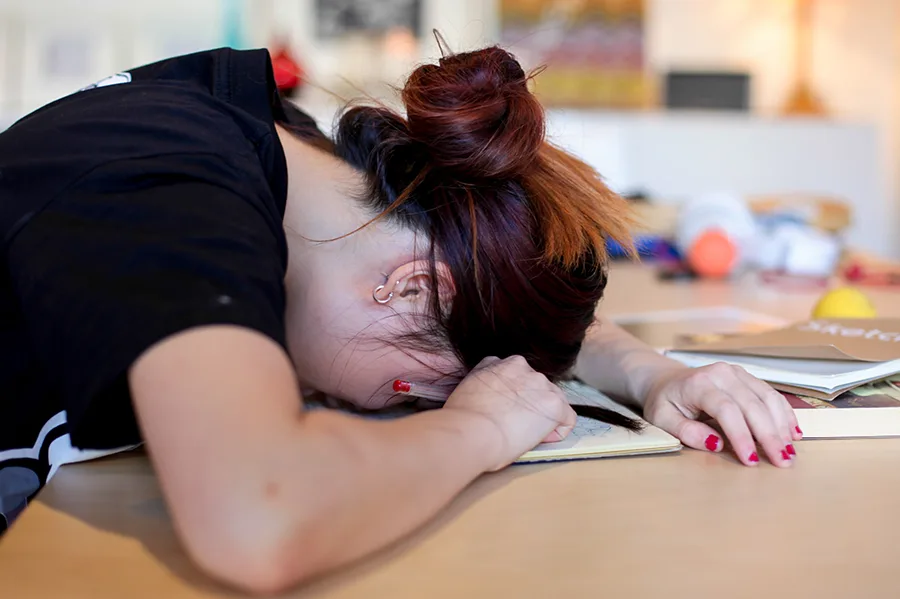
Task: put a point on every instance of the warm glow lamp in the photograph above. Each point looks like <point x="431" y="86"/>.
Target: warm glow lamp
<point x="803" y="99"/>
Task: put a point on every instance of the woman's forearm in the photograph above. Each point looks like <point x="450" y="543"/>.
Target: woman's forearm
<point x="352" y="485"/>
<point x="264" y="494"/>
<point x="384" y="478"/>
<point x="619" y="364"/>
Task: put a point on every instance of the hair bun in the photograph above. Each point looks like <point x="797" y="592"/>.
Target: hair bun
<point x="475" y="114"/>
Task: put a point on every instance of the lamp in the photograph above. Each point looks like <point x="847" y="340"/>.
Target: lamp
<point x="803" y="100"/>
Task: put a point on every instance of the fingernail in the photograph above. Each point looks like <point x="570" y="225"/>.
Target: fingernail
<point x="753" y="457"/>
<point x="784" y="455"/>
<point x="712" y="442"/>
<point x="790" y="449"/>
<point x="797" y="428"/>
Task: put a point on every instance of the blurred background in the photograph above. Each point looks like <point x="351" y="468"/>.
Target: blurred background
<point x="765" y="129"/>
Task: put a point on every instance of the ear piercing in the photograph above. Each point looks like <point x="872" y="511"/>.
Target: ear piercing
<point x="378" y="290"/>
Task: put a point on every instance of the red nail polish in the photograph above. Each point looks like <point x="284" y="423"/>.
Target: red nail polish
<point x="784" y="455"/>
<point x="790" y="449"/>
<point x="754" y="458"/>
<point x="402" y="387"/>
<point x="712" y="442"/>
<point x="797" y="428"/>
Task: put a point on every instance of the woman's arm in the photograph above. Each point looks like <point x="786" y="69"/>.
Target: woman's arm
<point x="265" y="495"/>
<point x="674" y="397"/>
<point x="619" y="364"/>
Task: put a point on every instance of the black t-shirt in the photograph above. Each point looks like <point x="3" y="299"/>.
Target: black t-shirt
<point x="144" y="205"/>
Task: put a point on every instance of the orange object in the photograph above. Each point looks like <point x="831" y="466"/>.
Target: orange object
<point x="713" y="254"/>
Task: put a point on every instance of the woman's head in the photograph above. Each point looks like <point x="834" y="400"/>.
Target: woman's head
<point x="492" y="240"/>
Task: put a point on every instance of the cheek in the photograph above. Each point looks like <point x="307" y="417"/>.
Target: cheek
<point x="339" y="349"/>
<point x="320" y="336"/>
<point x="368" y="371"/>
<point x="345" y="351"/>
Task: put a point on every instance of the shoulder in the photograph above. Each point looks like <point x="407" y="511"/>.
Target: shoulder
<point x="102" y="278"/>
<point x="191" y="117"/>
<point x="190" y="94"/>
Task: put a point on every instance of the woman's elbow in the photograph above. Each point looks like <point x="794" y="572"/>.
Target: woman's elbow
<point x="262" y="556"/>
<point x="263" y="573"/>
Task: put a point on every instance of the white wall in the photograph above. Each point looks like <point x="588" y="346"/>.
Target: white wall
<point x="856" y="50"/>
<point x="673" y="157"/>
<point x="856" y="62"/>
<point x="96" y="38"/>
<point x="463" y="23"/>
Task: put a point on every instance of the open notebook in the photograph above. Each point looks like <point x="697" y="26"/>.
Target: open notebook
<point x="589" y="438"/>
<point x="592" y="439"/>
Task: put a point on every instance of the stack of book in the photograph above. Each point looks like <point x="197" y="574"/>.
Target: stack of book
<point x="823" y="367"/>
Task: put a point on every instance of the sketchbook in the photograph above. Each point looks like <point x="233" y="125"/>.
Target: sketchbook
<point x="825" y="376"/>
<point x="592" y="439"/>
<point x="826" y="357"/>
<point x="666" y="329"/>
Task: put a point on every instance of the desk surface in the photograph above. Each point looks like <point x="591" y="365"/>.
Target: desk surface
<point x="686" y="525"/>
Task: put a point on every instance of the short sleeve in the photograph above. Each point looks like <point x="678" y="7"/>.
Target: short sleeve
<point x="102" y="277"/>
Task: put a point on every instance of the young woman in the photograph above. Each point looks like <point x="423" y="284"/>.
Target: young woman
<point x="184" y="255"/>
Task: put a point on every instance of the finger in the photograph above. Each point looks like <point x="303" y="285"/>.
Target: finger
<point x="755" y="414"/>
<point x="566" y="420"/>
<point x="733" y="422"/>
<point x="690" y="432"/>
<point x="485" y="362"/>
<point x="790" y="415"/>
<point x="519" y="362"/>
<point x="777" y="405"/>
<point x="556" y="435"/>
<point x="764" y="394"/>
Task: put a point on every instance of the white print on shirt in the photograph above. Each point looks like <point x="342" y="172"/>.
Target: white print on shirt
<point x="117" y="79"/>
<point x="22" y="470"/>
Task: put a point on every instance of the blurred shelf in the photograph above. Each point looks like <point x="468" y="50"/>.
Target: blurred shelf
<point x="674" y="156"/>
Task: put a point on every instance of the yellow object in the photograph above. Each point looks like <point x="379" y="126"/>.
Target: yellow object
<point x="844" y="302"/>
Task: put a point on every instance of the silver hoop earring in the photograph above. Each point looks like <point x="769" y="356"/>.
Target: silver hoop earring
<point x="378" y="290"/>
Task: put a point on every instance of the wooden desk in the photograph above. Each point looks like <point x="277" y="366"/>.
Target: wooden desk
<point x="687" y="525"/>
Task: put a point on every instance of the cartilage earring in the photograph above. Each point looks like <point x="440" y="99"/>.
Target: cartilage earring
<point x="378" y="290"/>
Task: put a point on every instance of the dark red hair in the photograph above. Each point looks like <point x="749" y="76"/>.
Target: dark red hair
<point x="521" y="225"/>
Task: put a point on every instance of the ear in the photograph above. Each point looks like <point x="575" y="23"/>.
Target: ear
<point x="413" y="285"/>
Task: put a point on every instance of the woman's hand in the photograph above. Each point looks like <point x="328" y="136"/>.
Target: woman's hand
<point x="745" y="408"/>
<point x="522" y="405"/>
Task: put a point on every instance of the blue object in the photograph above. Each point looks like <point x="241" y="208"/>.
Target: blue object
<point x="648" y="246"/>
<point x="233" y="23"/>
